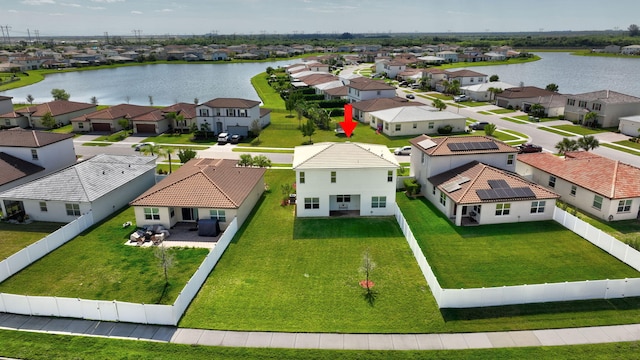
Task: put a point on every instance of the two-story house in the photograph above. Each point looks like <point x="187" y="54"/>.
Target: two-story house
<point x="231" y="115"/>
<point x="608" y="105"/>
<point x="361" y="88"/>
<point x="523" y="97"/>
<point x="466" y="77"/>
<point x="334" y="179"/>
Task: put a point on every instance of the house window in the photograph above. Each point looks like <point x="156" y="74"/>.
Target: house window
<point x="537" y="207"/>
<point x="43" y="206"/>
<point x="301" y="177"/>
<point x="378" y="202"/>
<point x="390" y="176"/>
<point x="7" y="122"/>
<point x="432" y="125"/>
<point x="552" y="181"/>
<point x="204" y="112"/>
<point x="433" y="191"/>
<point x="422" y="158"/>
<point x="597" y="202"/>
<point x="443" y="198"/>
<point x="218" y="214"/>
<point x="571" y="102"/>
<point x="510" y="159"/>
<point x="72" y="209"/>
<point x="80" y="126"/>
<point x="312" y="203"/>
<point x="415" y="125"/>
<point x="596" y="107"/>
<point x="386" y="126"/>
<point x="34" y="154"/>
<point x="573" y="190"/>
<point x="151" y="214"/>
<point x="343" y="198"/>
<point x="503" y="209"/>
<point x="624" y="205"/>
<point x="172" y="212"/>
<point x="582" y="104"/>
<point x="378" y="92"/>
<point x="333" y="177"/>
<point x="398" y="127"/>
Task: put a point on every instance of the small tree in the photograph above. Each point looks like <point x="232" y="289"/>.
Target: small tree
<point x="196" y="101"/>
<point x="165" y="261"/>
<point x="255" y="128"/>
<point x="552" y="87"/>
<point x="537" y="110"/>
<point x="94" y="100"/>
<point x="205" y="128"/>
<point x="186" y="154"/>
<point x="366" y="268"/>
<point x="60" y="94"/>
<point x="588" y="142"/>
<point x="166" y="152"/>
<point x="591" y="119"/>
<point x="308" y="129"/>
<point x="261" y="161"/>
<point x="124" y="123"/>
<point x="489" y="129"/>
<point x="566" y="145"/>
<point x="634" y="30"/>
<point x="245" y="160"/>
<point x="30" y="99"/>
<point x="439" y="104"/>
<point x="494" y="78"/>
<point x="150" y="100"/>
<point x="48" y="120"/>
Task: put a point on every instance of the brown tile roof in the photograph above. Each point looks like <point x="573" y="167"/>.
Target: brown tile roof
<point x="204" y="183"/>
<point x="609" y="178"/>
<point x="442" y="149"/>
<point x="30" y="138"/>
<point x="524" y="92"/>
<point x="366" y="84"/>
<point x="12" y="168"/>
<point x="156" y="115"/>
<point x="116" y="112"/>
<point x="607" y="97"/>
<point x="337" y="91"/>
<point x="315" y="79"/>
<point x="185" y="109"/>
<point x="264" y="112"/>
<point x="232" y="103"/>
<point x="383" y="104"/>
<point x="464" y="73"/>
<point x="58" y="107"/>
<point x="476" y="176"/>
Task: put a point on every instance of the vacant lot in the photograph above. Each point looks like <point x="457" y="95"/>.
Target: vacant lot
<point x="15" y="237"/>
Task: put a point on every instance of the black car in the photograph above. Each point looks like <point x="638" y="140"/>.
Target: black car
<point x="529" y="148"/>
<point x="235" y="138"/>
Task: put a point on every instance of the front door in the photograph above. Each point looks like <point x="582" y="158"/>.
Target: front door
<point x="189" y="214"/>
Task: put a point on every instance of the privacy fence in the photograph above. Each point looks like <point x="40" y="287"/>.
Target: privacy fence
<point x="536" y="293"/>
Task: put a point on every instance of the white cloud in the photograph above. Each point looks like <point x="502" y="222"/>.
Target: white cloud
<point x="57" y="14"/>
<point x="136" y="12"/>
<point x="71" y="5"/>
<point x="96" y="7"/>
<point x="107" y="1"/>
<point x="164" y="10"/>
<point x="13" y="11"/>
<point x="38" y="2"/>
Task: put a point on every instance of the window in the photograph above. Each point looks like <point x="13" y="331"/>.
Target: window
<point x="398" y="127"/>
<point x="204" y="112"/>
<point x="502" y="209"/>
<point x="172" y="212"/>
<point x="379" y="92"/>
<point x="422" y="158"/>
<point x="552" y="181"/>
<point x="333" y="177"/>
<point x="386" y="126"/>
<point x="218" y="214"/>
<point x="582" y="104"/>
<point x="8" y="122"/>
<point x="301" y="177"/>
<point x="43" y="206"/>
<point x="571" y="102"/>
<point x="443" y="198"/>
<point x="151" y="214"/>
<point x="510" y="159"/>
<point x="72" y="209"/>
<point x="433" y="191"/>
<point x="390" y="176"/>
<point x="431" y="125"/>
<point x="624" y="205"/>
<point x="34" y="154"/>
<point x="537" y="207"/>
<point x="573" y="190"/>
<point x="597" y="202"/>
<point x="312" y="203"/>
<point x="415" y="125"/>
<point x="378" y="202"/>
<point x="80" y="125"/>
<point x="596" y="107"/>
<point x="343" y="198"/>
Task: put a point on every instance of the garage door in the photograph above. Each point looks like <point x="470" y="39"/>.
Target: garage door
<point x="240" y="130"/>
<point x="145" y="128"/>
<point x="102" y="127"/>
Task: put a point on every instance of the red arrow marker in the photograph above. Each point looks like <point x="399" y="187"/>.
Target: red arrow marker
<point x="348" y="125"/>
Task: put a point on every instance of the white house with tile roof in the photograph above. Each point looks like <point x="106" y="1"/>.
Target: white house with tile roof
<point x="361" y="88"/>
<point x="202" y="188"/>
<point x="415" y="120"/>
<point x="48" y="150"/>
<point x="602" y="187"/>
<point x="334" y="179"/>
<point x="608" y="105"/>
<point x="101" y="184"/>
<point x="231" y="115"/>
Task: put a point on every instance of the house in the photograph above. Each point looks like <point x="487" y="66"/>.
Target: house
<point x="362" y="109"/>
<point x="466" y="77"/>
<point x="602" y="187"/>
<point x="362" y="88"/>
<point x="482" y="92"/>
<point x="100" y="185"/>
<point x="608" y="105"/>
<point x="187" y="114"/>
<point x="153" y="122"/>
<point x="6" y="105"/>
<point x="391" y="67"/>
<point x="231" y="115"/>
<point x="630" y="50"/>
<point x="522" y="97"/>
<point x="109" y="119"/>
<point x="31" y="116"/>
<point x="448" y="56"/>
<point x="630" y="125"/>
<point x="333" y="179"/>
<point x="202" y="188"/>
<point x="415" y="120"/>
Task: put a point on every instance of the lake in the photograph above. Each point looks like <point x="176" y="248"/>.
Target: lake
<point x="171" y="83"/>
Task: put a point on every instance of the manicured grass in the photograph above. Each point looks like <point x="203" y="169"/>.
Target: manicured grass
<point x="97" y="265"/>
<point x="269" y="97"/>
<point x="615" y="147"/>
<point x="15" y="237"/>
<point x="165" y="167"/>
<point x="504" y="136"/>
<point x="484" y="113"/>
<point x="506" y="254"/>
<point x="624" y="230"/>
<point x="96" y="144"/>
<point x="303" y="275"/>
<point x="475" y="103"/>
<point x="67" y="129"/>
<point x="115" y="137"/>
<point x="514" y="119"/>
<point x="179" y="139"/>
<point x="502" y="111"/>
<point x="556" y="131"/>
<point x="440" y="96"/>
<point x="579" y="130"/>
<point x="629" y="143"/>
<point x="249" y="150"/>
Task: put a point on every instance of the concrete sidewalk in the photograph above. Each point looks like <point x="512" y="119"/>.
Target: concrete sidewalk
<point x="329" y="341"/>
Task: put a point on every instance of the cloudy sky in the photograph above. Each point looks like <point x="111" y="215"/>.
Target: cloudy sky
<point x="187" y="17"/>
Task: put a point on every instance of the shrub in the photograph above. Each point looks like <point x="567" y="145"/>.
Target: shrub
<point x="325" y="104"/>
<point x="443" y="130"/>
<point x="560" y="117"/>
<point x="412" y="186"/>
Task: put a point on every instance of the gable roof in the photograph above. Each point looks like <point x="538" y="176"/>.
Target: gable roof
<point x="343" y="156"/>
<point x="56" y="108"/>
<point x="86" y="181"/>
<point x="383" y="104"/>
<point x="464" y="73"/>
<point x="236" y="103"/>
<point x="609" y="178"/>
<point x="30" y="138"/>
<point x="415" y="113"/>
<point x="116" y="112"/>
<point x="203" y="183"/>
<point x="440" y="145"/>
<point x="469" y="178"/>
<point x="607" y="97"/>
<point x="521" y="92"/>
<point x="185" y="109"/>
<point x="366" y="84"/>
<point x="13" y="168"/>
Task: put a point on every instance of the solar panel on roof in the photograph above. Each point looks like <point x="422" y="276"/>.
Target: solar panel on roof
<point x="498" y="184"/>
<point x="426" y="144"/>
<point x="452" y="186"/>
<point x="472" y="146"/>
<point x="505" y="193"/>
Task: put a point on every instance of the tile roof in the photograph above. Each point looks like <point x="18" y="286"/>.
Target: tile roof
<point x="58" y="107"/>
<point x="521" y="92"/>
<point x="116" y="112"/>
<point x="232" y="103"/>
<point x="30" y="138"/>
<point x="85" y="181"/>
<point x="204" y="183"/>
<point x="337" y="91"/>
<point x="415" y="113"/>
<point x="476" y="176"/>
<point x="607" y="97"/>
<point x="383" y="104"/>
<point x="464" y="73"/>
<point x="441" y="148"/>
<point x="5" y="97"/>
<point x="12" y="168"/>
<point x="185" y="109"/>
<point x="609" y="178"/>
<point x="343" y="156"/>
<point x="156" y="115"/>
<point x="366" y="84"/>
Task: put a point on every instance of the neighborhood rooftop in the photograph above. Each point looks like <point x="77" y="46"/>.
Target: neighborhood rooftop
<point x="30" y="138"/>
<point x="13" y="168"/>
<point x="460" y="145"/>
<point x="607" y="97"/>
<point x="342" y="156"/>
<point x="55" y="108"/>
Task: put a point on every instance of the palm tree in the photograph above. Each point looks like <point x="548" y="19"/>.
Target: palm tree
<point x="489" y="129"/>
<point x="588" y="142"/>
<point x="591" y="119"/>
<point x="150" y="149"/>
<point x="166" y="152"/>
<point x="566" y="145"/>
<point x="439" y="104"/>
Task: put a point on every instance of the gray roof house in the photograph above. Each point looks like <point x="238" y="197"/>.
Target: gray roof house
<point x="101" y="185"/>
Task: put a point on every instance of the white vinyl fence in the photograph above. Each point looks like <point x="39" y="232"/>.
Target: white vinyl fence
<point x="535" y="293"/>
<point x="117" y="310"/>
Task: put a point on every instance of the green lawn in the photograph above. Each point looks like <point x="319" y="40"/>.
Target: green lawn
<point x="245" y="149"/>
<point x="67" y="129"/>
<point x="103" y="144"/>
<point x="303" y="275"/>
<point x="514" y="119"/>
<point x="629" y="143"/>
<point x="615" y="147"/>
<point x="506" y="254"/>
<point x="180" y="139"/>
<point x="115" y="137"/>
<point x="165" y="167"/>
<point x="504" y="136"/>
<point x="556" y="131"/>
<point x="475" y="103"/>
<point x="15" y="237"/>
<point x="97" y="265"/>
<point x="269" y="97"/>
<point x="579" y="130"/>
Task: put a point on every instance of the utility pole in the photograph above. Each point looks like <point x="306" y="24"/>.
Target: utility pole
<point x="7" y="28"/>
<point x="136" y="33"/>
<point x="37" y="33"/>
<point x="29" y="36"/>
<point x="3" y="37"/>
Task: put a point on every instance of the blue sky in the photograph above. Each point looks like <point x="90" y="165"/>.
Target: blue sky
<point x="187" y="17"/>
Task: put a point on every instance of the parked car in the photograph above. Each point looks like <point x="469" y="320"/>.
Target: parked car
<point x="410" y="96"/>
<point x="235" y="138"/>
<point x="415" y="86"/>
<point x="403" y="83"/>
<point x="461" y="98"/>
<point x="223" y="138"/>
<point x="141" y="145"/>
<point x="478" y="125"/>
<point x="529" y="148"/>
<point x="405" y="150"/>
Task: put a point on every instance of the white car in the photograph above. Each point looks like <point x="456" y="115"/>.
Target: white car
<point x="461" y="98"/>
<point x="405" y="150"/>
<point x="141" y="145"/>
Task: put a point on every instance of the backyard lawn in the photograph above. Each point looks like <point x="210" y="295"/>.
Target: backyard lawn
<point x="15" y="237"/>
<point x="97" y="265"/>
